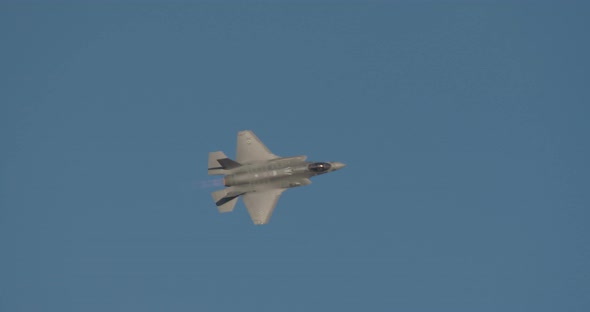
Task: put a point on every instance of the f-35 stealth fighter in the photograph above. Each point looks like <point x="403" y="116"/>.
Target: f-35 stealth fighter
<point x="260" y="176"/>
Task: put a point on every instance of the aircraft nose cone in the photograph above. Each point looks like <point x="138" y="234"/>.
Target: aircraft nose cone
<point x="338" y="165"/>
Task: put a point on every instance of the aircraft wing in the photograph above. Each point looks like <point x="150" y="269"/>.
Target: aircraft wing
<point x="251" y="149"/>
<point x="261" y="204"/>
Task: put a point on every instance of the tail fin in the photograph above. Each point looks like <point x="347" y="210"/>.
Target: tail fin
<point x="219" y="163"/>
<point x="224" y="203"/>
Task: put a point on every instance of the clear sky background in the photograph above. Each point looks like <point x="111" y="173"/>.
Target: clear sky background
<point x="464" y="127"/>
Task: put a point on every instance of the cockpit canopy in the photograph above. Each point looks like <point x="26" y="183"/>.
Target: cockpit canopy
<point x="319" y="167"/>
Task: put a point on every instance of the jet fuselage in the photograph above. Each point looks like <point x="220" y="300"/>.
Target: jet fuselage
<point x="278" y="173"/>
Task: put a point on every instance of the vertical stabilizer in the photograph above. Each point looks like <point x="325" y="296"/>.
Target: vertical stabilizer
<point x="219" y="163"/>
<point x="224" y="202"/>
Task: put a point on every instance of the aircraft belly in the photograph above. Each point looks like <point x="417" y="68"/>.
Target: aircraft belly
<point x="259" y="176"/>
<point x="286" y="182"/>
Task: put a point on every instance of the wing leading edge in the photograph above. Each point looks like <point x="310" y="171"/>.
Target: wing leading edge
<point x="261" y="204"/>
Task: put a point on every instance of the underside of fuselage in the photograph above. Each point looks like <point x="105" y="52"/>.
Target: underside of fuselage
<point x="278" y="174"/>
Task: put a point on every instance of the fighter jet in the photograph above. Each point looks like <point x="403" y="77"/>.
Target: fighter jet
<point x="260" y="176"/>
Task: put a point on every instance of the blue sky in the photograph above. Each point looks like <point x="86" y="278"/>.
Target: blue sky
<point x="464" y="127"/>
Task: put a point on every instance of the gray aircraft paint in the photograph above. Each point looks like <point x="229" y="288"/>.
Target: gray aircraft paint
<point x="260" y="177"/>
